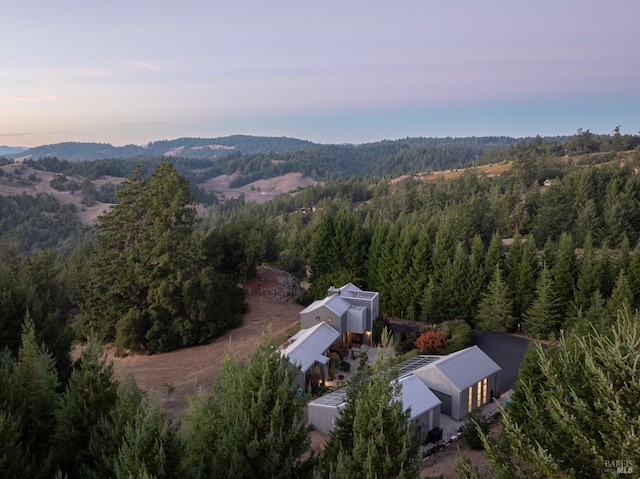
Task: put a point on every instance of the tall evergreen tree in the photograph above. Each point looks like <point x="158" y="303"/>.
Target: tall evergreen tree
<point x="584" y="412"/>
<point x="564" y="271"/>
<point x="34" y="399"/>
<point x="14" y="461"/>
<point x="252" y="424"/>
<point x="89" y="396"/>
<point x="146" y="262"/>
<point x="543" y="316"/>
<point x="384" y="444"/>
<point x="107" y="435"/>
<point x="495" y="308"/>
<point x="621" y="297"/>
<point x="419" y="272"/>
<point x="587" y="283"/>
<point x="151" y="447"/>
<point x="494" y="257"/>
<point x="527" y="276"/>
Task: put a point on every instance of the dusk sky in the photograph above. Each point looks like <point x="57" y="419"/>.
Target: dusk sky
<point x="327" y="71"/>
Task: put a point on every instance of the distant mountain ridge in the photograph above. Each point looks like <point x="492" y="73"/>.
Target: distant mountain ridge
<point x="199" y="148"/>
<point x="11" y="150"/>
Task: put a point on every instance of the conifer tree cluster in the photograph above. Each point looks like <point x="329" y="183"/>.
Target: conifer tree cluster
<point x="150" y="288"/>
<point x="575" y="409"/>
<point x="373" y="437"/>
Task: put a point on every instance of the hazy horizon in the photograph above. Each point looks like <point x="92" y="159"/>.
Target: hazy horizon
<point x="331" y="72"/>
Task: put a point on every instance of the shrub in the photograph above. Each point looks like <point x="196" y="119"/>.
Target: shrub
<point x="471" y="431"/>
<point x="339" y="347"/>
<point x="431" y="342"/>
<point x="345" y="366"/>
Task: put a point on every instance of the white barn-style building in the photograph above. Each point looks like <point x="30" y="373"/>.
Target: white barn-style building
<point x="463" y="381"/>
<point x="306" y="349"/>
<point x="452" y="385"/>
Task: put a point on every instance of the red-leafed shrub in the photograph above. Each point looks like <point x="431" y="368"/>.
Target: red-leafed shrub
<point x="431" y="342"/>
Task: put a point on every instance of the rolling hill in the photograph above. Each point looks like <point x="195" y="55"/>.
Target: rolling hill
<point x="199" y="148"/>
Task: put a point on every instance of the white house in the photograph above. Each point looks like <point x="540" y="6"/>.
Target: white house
<point x="306" y="349"/>
<point x="452" y="385"/>
<point x="349" y="310"/>
<point x="425" y="406"/>
<point x="463" y="380"/>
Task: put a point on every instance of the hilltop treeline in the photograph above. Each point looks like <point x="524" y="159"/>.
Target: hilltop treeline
<point x="550" y="244"/>
<point x="435" y="250"/>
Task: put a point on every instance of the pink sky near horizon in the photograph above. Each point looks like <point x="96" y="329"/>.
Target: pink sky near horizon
<point x="133" y="72"/>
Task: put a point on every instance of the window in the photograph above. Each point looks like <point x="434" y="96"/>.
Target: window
<point x="329" y="320"/>
<point x="479" y="393"/>
<point x="484" y="391"/>
<point x="318" y="318"/>
<point x="470" y="394"/>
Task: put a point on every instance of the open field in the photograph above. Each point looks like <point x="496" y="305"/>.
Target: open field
<point x="173" y="376"/>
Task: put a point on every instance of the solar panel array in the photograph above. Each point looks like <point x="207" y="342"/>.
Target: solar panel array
<point x="336" y="398"/>
<point x="414" y="363"/>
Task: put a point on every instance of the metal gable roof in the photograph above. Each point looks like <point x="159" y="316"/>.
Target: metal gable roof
<point x="335" y="303"/>
<point x="466" y="367"/>
<point x="414" y="394"/>
<point x="417" y="396"/>
<point x="309" y="345"/>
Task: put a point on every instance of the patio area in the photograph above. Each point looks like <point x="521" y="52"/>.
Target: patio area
<point x="353" y="358"/>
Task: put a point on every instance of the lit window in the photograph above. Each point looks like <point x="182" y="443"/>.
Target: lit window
<point x="329" y="320"/>
<point x="318" y="318"/>
<point x="484" y="391"/>
<point x="470" y="394"/>
<point x="479" y="393"/>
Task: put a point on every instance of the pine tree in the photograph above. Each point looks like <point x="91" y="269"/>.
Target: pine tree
<point x="89" y="396"/>
<point x="563" y="272"/>
<point x="401" y="299"/>
<point x="251" y="425"/>
<point x="34" y="382"/>
<point x="384" y="444"/>
<point x="495" y="308"/>
<point x="527" y="276"/>
<point x="14" y="461"/>
<point x="543" y="316"/>
<point x="493" y="257"/>
<point x="419" y="272"/>
<point x="106" y="437"/>
<point x="587" y="283"/>
<point x="146" y="263"/>
<point x="454" y="290"/>
<point x="584" y="413"/>
<point x="151" y="447"/>
<point x="621" y="297"/>
<point x="476" y="278"/>
<point x="513" y="263"/>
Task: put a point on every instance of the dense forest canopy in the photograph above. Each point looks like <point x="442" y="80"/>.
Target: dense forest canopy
<point x="549" y="245"/>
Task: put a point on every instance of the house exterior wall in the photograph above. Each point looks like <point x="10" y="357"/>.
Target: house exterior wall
<point x="492" y="385"/>
<point x="447" y="401"/>
<point x="323" y="417"/>
<point x="427" y="421"/>
<point x="370" y="303"/>
<point x="308" y="320"/>
<point x="452" y="398"/>
<point x="356" y="320"/>
<point x="299" y="381"/>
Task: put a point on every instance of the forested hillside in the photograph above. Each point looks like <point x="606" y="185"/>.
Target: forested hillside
<point x="550" y="246"/>
<point x="198" y="148"/>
